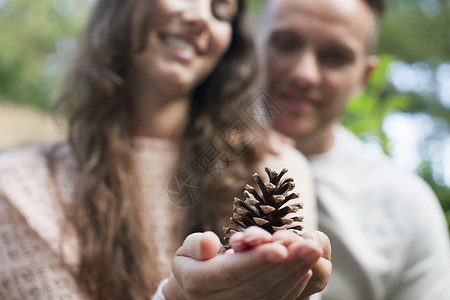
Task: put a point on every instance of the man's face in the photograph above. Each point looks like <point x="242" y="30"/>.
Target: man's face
<point x="316" y="53"/>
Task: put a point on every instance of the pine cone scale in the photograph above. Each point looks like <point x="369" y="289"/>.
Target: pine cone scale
<point x="267" y="208"/>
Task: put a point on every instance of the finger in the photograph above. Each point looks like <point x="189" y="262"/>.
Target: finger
<point x="255" y="236"/>
<point x="226" y="271"/>
<point x="286" y="237"/>
<point x="236" y="242"/>
<point x="321" y="274"/>
<point x="249" y="238"/>
<point x="297" y="291"/>
<point x="322" y="269"/>
<point x="274" y="143"/>
<point x="277" y="141"/>
<point x="303" y="255"/>
<point x="322" y="239"/>
<point x="229" y="252"/>
<point x="209" y="245"/>
<point x="200" y="246"/>
<point x="282" y="277"/>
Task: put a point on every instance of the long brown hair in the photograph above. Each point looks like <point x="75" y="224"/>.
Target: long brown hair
<point x="117" y="255"/>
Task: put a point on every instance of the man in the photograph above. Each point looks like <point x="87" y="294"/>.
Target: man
<point x="387" y="230"/>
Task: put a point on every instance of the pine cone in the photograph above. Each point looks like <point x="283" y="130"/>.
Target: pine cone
<point x="265" y="209"/>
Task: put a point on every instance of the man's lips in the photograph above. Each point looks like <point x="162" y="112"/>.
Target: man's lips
<point x="298" y="101"/>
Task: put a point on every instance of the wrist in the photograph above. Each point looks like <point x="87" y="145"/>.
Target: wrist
<point x="159" y="293"/>
<point x="172" y="290"/>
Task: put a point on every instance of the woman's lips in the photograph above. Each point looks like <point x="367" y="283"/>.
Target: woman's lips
<point x="180" y="46"/>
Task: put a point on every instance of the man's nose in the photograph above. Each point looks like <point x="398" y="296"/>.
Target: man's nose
<point x="306" y="69"/>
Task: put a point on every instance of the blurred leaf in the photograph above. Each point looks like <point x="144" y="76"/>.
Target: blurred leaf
<point x="29" y="32"/>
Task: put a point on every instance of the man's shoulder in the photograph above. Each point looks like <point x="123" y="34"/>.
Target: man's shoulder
<point x="354" y="161"/>
<point x="352" y="150"/>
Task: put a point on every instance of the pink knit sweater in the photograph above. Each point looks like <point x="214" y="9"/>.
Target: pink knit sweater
<point x="38" y="256"/>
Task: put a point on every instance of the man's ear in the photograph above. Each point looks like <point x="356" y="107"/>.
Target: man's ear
<point x="372" y="63"/>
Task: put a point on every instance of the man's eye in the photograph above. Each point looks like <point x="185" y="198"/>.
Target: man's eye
<point x="335" y="58"/>
<point x="285" y="44"/>
<point x="224" y="10"/>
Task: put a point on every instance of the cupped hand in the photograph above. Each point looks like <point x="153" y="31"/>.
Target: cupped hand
<point x="321" y="270"/>
<point x="278" y="269"/>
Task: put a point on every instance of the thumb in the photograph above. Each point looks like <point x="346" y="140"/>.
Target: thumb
<point x="200" y="246"/>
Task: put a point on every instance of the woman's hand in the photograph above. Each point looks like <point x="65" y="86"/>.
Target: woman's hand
<point x="255" y="236"/>
<point x="278" y="269"/>
<point x="278" y="141"/>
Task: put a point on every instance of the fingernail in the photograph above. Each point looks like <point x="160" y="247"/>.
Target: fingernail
<point x="308" y="256"/>
<point x="238" y="245"/>
<point x="274" y="257"/>
<point x="277" y="255"/>
<point x="249" y="239"/>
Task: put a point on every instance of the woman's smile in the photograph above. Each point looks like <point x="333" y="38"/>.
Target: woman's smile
<point x="181" y="46"/>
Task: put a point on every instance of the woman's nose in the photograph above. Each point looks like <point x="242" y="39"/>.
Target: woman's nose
<point x="197" y="14"/>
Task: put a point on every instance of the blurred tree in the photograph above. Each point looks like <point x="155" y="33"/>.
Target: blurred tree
<point x="417" y="33"/>
<point x="34" y="40"/>
<point x="417" y="30"/>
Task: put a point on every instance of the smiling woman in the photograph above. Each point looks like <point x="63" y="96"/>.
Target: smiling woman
<point x="158" y="100"/>
<point x="182" y="43"/>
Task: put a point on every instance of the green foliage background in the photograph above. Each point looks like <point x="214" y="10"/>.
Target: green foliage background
<point x="29" y="31"/>
<point x="37" y="38"/>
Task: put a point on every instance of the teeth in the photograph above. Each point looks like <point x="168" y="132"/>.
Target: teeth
<point x="180" y="44"/>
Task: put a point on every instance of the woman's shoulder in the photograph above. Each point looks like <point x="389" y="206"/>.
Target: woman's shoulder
<point x="26" y="179"/>
<point x="25" y="165"/>
<point x="21" y="159"/>
<point x="28" y="189"/>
